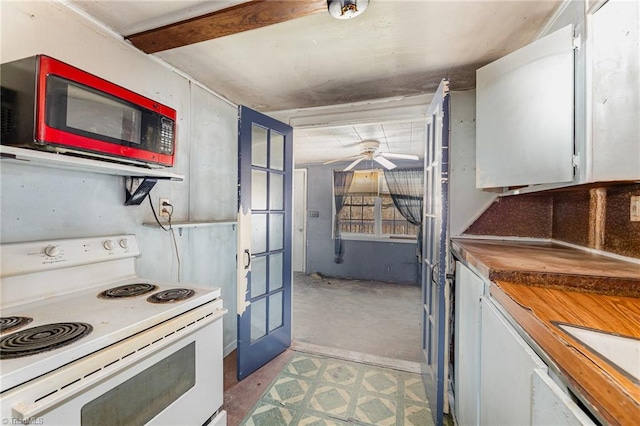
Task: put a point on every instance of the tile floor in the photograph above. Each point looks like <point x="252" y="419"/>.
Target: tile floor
<point x="354" y="334"/>
<point x="315" y="390"/>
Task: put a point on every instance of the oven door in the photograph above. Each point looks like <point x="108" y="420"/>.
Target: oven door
<point x="177" y="383"/>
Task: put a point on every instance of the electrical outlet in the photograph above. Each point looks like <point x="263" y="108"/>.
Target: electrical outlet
<point x="635" y="208"/>
<point x="164" y="210"/>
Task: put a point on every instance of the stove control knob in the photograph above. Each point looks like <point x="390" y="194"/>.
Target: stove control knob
<point x="124" y="243"/>
<point x="52" y="251"/>
<point x="107" y="244"/>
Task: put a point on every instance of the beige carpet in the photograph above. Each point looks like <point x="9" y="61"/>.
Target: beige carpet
<point x="366" y="317"/>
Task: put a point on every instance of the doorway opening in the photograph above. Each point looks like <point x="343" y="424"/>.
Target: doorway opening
<point x="367" y="308"/>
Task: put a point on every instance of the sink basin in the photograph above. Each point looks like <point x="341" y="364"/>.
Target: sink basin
<point x="622" y="352"/>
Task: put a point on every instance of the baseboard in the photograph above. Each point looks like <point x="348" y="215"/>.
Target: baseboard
<point x="230" y="348"/>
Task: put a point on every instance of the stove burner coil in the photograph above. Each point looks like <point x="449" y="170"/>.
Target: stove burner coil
<point x="171" y="296"/>
<point x="128" y="290"/>
<point x="12" y="323"/>
<point x="43" y="338"/>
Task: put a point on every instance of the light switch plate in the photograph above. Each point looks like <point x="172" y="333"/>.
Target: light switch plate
<point x="635" y="208"/>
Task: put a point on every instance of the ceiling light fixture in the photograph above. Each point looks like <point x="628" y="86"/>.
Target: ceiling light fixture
<point x="346" y="9"/>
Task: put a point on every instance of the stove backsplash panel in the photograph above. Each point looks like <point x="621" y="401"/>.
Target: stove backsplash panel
<point x="587" y="216"/>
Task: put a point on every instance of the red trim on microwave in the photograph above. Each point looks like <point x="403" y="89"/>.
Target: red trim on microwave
<point x="53" y="66"/>
<point x="65" y="139"/>
<point x="49" y="135"/>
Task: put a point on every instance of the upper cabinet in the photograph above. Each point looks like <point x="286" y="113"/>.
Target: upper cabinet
<point x="564" y="110"/>
<point x="524" y="113"/>
<point x="615" y="90"/>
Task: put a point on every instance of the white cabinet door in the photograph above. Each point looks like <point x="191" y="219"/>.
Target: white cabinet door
<point x="525" y="115"/>
<point x="552" y="406"/>
<point x="615" y="37"/>
<point x="469" y="290"/>
<point x="507" y="364"/>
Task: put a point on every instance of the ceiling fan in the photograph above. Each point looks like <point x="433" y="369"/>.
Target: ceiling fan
<point x="369" y="151"/>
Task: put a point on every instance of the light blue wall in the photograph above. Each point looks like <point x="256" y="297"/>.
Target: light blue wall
<point x="367" y="260"/>
<point x="40" y="203"/>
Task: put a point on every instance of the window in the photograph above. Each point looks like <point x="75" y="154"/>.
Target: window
<point x="393" y="223"/>
<point x="369" y="212"/>
<point x="358" y="215"/>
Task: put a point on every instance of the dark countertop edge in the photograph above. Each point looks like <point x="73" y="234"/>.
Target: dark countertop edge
<point x="598" y="284"/>
<point x="470" y="260"/>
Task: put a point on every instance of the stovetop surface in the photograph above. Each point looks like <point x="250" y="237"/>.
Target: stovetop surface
<point x="112" y="320"/>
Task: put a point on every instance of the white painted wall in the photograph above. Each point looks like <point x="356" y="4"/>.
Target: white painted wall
<point x="466" y="203"/>
<point x="40" y="203"/>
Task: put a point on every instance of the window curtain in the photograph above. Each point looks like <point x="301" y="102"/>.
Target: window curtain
<point x="341" y="184"/>
<point x="406" y="190"/>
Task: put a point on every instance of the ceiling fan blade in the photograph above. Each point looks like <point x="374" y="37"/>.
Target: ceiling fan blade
<point x="337" y="160"/>
<point x="235" y="19"/>
<point x="384" y="162"/>
<point x="352" y="165"/>
<point x="399" y="156"/>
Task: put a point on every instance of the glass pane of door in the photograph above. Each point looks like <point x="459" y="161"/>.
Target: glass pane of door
<point x="276" y="194"/>
<point x="258" y="319"/>
<point x="258" y="276"/>
<point x="259" y="233"/>
<point x="276" y="267"/>
<point x="277" y="151"/>
<point x="259" y="145"/>
<point x="258" y="190"/>
<point x="275" y="311"/>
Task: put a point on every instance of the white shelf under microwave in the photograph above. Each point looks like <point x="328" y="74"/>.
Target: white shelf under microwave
<point x="61" y="161"/>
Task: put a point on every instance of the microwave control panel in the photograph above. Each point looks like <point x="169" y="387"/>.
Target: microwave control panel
<point x="166" y="136"/>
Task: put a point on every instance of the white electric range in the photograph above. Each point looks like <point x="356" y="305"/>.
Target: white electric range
<point x="87" y="341"/>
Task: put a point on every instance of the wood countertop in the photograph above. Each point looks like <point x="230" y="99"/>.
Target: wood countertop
<point x="549" y="283"/>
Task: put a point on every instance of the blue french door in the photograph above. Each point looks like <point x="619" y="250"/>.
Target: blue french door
<point x="265" y="202"/>
<point x="435" y="243"/>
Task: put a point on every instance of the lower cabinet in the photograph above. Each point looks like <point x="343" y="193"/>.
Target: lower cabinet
<point x="507" y="363"/>
<point x="552" y="405"/>
<point x="498" y="377"/>
<point x="468" y="293"/>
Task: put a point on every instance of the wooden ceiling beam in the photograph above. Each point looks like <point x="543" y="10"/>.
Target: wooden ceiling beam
<point x="242" y="17"/>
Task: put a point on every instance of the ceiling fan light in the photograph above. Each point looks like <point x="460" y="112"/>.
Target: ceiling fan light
<point x="346" y="9"/>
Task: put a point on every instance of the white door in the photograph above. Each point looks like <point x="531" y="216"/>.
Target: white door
<point x="299" y="219"/>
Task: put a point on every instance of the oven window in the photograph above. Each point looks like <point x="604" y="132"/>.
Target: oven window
<point x="143" y="396"/>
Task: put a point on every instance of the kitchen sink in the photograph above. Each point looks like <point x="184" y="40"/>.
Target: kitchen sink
<point x="622" y="352"/>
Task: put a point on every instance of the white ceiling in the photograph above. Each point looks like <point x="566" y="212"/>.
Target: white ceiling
<point x="395" y="48"/>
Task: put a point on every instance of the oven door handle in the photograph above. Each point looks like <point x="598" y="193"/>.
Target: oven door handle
<point x="183" y="324"/>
